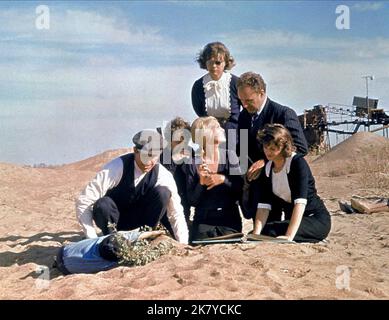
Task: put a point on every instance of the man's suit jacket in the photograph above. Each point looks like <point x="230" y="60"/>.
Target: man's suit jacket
<point x="272" y="113"/>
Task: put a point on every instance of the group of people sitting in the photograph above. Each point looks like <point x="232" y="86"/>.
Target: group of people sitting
<point x="249" y="156"/>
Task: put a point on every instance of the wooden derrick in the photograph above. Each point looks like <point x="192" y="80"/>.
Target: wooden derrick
<point x="314" y="122"/>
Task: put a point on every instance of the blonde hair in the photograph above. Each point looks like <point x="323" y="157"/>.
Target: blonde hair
<point x="278" y="135"/>
<point x="206" y="126"/>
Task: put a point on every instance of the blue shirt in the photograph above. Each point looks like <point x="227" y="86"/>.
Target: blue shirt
<point x="84" y="256"/>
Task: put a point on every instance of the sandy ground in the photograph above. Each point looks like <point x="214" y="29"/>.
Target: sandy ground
<point x="38" y="215"/>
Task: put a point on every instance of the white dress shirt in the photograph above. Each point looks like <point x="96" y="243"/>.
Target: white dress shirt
<point x="217" y="96"/>
<point x="280" y="183"/>
<point x="109" y="177"/>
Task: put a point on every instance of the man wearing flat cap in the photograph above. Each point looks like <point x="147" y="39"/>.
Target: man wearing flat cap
<point x="132" y="191"/>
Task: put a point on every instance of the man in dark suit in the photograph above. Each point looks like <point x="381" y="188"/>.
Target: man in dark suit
<point x="259" y="110"/>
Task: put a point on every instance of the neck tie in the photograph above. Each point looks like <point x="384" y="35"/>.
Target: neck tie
<point x="253" y="118"/>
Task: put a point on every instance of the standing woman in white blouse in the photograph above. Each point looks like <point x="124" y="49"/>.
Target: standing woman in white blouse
<point x="216" y="94"/>
<point x="287" y="185"/>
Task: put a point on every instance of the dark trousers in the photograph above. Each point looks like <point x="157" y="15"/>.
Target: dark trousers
<point x="312" y="228"/>
<point x="149" y="210"/>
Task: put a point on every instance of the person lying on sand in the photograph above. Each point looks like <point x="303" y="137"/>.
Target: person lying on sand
<point x="287" y="185"/>
<point x="127" y="248"/>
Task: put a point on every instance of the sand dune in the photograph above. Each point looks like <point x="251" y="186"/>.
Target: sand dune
<point x="362" y="147"/>
<point x="95" y="163"/>
<point x="37" y="214"/>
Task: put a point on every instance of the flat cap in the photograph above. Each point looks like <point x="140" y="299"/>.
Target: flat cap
<point x="149" y="140"/>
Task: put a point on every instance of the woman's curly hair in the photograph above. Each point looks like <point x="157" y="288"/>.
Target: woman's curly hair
<point x="213" y="49"/>
<point x="278" y="135"/>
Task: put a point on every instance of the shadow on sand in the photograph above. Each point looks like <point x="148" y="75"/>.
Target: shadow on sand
<point x="39" y="254"/>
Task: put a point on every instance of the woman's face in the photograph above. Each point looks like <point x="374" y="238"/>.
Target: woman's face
<point x="215" y="66"/>
<point x="213" y="136"/>
<point x="219" y="135"/>
<point x="272" y="152"/>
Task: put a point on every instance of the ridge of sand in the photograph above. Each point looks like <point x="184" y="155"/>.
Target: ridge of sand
<point x="95" y="163"/>
<point x="361" y="144"/>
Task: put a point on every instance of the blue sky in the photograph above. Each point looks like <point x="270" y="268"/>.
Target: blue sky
<point x="106" y="69"/>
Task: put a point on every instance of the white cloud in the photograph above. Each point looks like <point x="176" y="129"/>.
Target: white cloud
<point x="303" y="83"/>
<point x="85" y="37"/>
<point x="110" y="104"/>
<point x="76" y="27"/>
<point x="368" y="6"/>
<point x="196" y="3"/>
<point x="80" y="112"/>
<point x="90" y="27"/>
<point x="283" y="42"/>
<point x="63" y="83"/>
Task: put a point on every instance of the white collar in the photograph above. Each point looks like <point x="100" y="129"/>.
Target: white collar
<point x="262" y="106"/>
<point x="137" y="171"/>
<point x="208" y="78"/>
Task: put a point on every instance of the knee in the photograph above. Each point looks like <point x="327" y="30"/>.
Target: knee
<point x="104" y="207"/>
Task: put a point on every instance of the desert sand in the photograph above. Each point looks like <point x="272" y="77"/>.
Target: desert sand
<point x="38" y="215"/>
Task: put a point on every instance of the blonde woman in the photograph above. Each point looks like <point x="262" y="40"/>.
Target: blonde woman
<point x="214" y="182"/>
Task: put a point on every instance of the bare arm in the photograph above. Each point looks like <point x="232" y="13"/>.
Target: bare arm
<point x="260" y="220"/>
<point x="295" y="221"/>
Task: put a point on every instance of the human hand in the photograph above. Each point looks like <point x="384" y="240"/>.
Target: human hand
<point x="203" y="173"/>
<point x="150" y="234"/>
<point x="255" y="170"/>
<point x="214" y="180"/>
<point x="254" y="232"/>
<point x="284" y="238"/>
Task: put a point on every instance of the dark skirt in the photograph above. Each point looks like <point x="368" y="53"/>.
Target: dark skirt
<point x="209" y="223"/>
<point x="313" y="228"/>
<point x="315" y="224"/>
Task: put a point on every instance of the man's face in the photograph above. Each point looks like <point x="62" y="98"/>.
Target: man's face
<point x="250" y="99"/>
<point x="146" y="160"/>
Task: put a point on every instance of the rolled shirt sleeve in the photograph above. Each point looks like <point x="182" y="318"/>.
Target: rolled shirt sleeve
<point x="106" y="179"/>
<point x="301" y="201"/>
<point x="264" y="206"/>
<point x="175" y="211"/>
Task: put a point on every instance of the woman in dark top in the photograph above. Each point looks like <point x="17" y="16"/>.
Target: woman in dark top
<point x="215" y="94"/>
<point x="214" y="183"/>
<point x="286" y="184"/>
